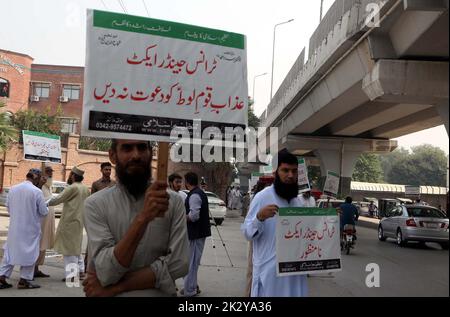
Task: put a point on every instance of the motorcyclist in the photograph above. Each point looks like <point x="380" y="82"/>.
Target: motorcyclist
<point x="373" y="210"/>
<point x="348" y="214"/>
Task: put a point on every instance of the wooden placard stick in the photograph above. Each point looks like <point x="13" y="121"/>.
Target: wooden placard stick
<point x="163" y="160"/>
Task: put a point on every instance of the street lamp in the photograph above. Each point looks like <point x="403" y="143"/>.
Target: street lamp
<point x="273" y="54"/>
<point x="321" y="10"/>
<point x="254" y="79"/>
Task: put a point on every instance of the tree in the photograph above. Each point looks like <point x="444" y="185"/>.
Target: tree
<point x="368" y="169"/>
<point x="388" y="160"/>
<point x="314" y="175"/>
<point x="38" y="121"/>
<point x="8" y="133"/>
<point x="94" y="144"/>
<point x="253" y="120"/>
<point x="219" y="174"/>
<point x="426" y="165"/>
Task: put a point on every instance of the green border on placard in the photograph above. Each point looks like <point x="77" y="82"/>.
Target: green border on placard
<point x="300" y="211"/>
<point x="136" y="24"/>
<point x="44" y="135"/>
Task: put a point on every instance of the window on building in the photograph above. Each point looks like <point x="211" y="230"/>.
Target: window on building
<point x="71" y="91"/>
<point x="69" y="125"/>
<point x="4" y="88"/>
<point x="41" y="89"/>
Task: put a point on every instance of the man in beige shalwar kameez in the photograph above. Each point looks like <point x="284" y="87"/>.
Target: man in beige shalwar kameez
<point x="138" y="242"/>
<point x="47" y="223"/>
<point x="69" y="234"/>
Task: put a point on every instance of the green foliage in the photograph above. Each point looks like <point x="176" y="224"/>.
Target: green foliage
<point x="368" y="169"/>
<point x="388" y="160"/>
<point x="426" y="165"/>
<point x="314" y="175"/>
<point x="38" y="121"/>
<point x="8" y="133"/>
<point x="253" y="120"/>
<point x="94" y="144"/>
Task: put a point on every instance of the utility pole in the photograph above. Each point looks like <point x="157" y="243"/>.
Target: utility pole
<point x="321" y="10"/>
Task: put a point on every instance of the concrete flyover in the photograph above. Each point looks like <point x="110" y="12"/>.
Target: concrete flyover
<point x="366" y="81"/>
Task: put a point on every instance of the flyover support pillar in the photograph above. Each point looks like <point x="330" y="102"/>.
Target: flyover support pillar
<point x="442" y="109"/>
<point x="340" y="161"/>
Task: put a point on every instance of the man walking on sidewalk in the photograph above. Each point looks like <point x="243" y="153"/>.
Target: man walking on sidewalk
<point x="199" y="228"/>
<point x="47" y="223"/>
<point x="69" y="234"/>
<point x="26" y="207"/>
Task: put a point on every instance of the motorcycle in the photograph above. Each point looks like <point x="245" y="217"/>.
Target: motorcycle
<point x="348" y="238"/>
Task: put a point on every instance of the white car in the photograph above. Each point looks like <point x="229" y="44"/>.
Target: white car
<point x="57" y="189"/>
<point x="217" y="207"/>
<point x="334" y="203"/>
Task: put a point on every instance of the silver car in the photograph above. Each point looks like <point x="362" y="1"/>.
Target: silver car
<point x="415" y="223"/>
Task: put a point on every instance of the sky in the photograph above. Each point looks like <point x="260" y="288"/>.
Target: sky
<point x="53" y="32"/>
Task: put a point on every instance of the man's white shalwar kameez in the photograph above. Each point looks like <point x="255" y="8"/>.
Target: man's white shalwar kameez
<point x="265" y="281"/>
<point x="26" y="207"/>
<point x="236" y="199"/>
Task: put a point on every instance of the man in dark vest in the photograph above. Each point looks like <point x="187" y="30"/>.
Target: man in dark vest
<point x="199" y="228"/>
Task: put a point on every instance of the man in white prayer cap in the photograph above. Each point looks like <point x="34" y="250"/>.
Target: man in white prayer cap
<point x="69" y="234"/>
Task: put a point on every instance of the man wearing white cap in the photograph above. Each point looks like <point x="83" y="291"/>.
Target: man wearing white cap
<point x="26" y="207"/>
<point x="69" y="234"/>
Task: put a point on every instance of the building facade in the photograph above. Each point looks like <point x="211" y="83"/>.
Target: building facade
<point x="52" y="88"/>
<point x="15" y="79"/>
<point x="45" y="88"/>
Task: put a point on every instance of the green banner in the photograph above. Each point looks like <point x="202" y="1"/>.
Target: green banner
<point x="333" y="174"/>
<point x="44" y="135"/>
<point x="301" y="211"/>
<point x="130" y="23"/>
<point x="258" y="174"/>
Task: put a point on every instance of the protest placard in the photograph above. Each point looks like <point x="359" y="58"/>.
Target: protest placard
<point x="303" y="180"/>
<point x="41" y="147"/>
<point x="307" y="241"/>
<point x="331" y="187"/>
<point x="145" y="77"/>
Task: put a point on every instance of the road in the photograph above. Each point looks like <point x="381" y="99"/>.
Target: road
<point x="411" y="271"/>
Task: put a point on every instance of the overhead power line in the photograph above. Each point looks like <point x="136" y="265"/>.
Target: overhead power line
<point x="146" y="9"/>
<point x="104" y="4"/>
<point x="123" y="6"/>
